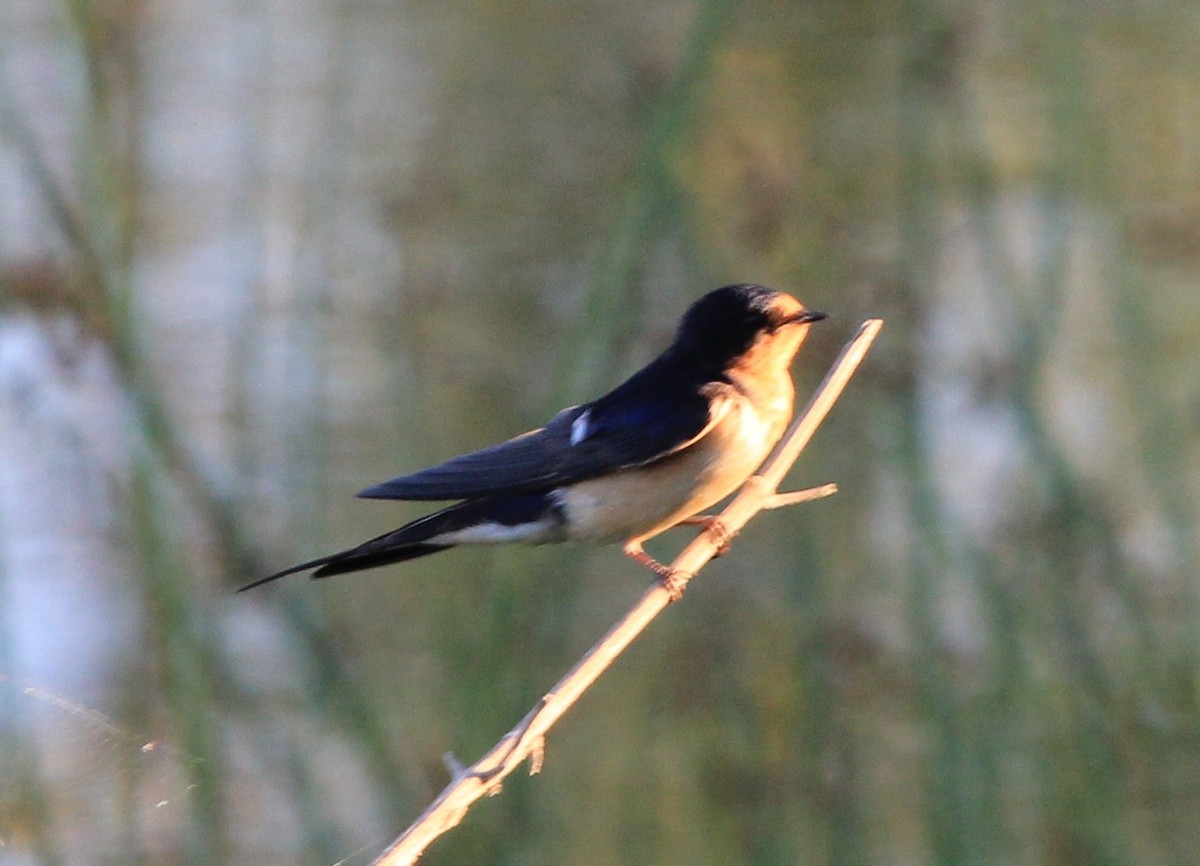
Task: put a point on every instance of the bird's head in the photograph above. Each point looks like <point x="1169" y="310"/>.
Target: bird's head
<point x="744" y="324"/>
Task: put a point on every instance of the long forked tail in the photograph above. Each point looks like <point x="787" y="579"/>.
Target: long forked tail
<point x="528" y="517"/>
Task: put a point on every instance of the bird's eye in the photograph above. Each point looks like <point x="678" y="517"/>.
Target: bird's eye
<point x="774" y="323"/>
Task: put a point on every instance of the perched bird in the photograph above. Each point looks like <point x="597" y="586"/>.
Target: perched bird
<point x="676" y="437"/>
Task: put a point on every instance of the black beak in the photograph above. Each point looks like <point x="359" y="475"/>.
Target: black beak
<point x="808" y="316"/>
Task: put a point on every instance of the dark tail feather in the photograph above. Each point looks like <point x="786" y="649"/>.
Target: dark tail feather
<point x="368" y="555"/>
<point x="413" y="539"/>
<point x="312" y="563"/>
<point x="343" y="563"/>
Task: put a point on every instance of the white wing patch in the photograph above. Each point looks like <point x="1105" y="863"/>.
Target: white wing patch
<point x="579" y="428"/>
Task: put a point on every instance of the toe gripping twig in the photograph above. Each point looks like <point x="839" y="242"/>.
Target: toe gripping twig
<point x="527" y="739"/>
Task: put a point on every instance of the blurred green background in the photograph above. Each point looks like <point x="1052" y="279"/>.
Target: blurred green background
<point x="255" y="255"/>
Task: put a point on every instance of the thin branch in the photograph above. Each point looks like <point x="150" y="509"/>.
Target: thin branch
<point x="527" y="739"/>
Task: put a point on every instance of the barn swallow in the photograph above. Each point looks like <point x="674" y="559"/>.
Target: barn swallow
<point x="676" y="437"/>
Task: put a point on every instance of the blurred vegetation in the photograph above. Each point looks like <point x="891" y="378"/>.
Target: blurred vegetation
<point x="256" y="256"/>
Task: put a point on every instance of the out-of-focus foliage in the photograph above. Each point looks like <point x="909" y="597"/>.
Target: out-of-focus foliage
<point x="257" y="255"/>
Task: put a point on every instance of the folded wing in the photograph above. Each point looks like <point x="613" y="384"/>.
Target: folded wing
<point x="630" y="427"/>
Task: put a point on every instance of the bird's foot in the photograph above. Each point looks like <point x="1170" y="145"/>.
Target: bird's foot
<point x="672" y="581"/>
<point x="716" y="529"/>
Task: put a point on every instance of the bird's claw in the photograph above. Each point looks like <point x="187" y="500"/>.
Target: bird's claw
<point x="718" y="533"/>
<point x="672" y="580"/>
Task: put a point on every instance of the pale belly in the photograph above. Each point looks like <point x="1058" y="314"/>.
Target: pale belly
<point x="639" y="503"/>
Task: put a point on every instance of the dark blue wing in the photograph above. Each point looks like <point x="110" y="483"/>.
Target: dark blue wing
<point x="643" y="420"/>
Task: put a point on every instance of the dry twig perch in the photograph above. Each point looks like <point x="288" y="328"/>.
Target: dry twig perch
<point x="527" y="739"/>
